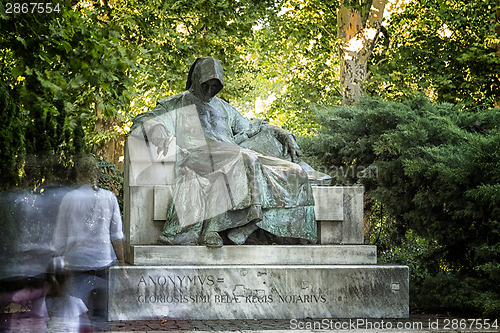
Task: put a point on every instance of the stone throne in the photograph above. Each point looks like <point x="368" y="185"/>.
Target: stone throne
<point x="336" y="278"/>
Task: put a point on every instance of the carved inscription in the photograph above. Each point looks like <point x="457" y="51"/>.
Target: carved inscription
<point x="174" y="288"/>
<point x="177" y="281"/>
<point x="215" y="289"/>
<point x="163" y="298"/>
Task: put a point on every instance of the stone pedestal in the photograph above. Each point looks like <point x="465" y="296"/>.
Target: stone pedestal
<point x="339" y="212"/>
<point x="338" y="278"/>
<point x="257" y="282"/>
<point x="254" y="255"/>
<point x="258" y="292"/>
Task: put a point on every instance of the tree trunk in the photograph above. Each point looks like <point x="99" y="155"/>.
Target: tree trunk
<point x="110" y="150"/>
<point x="357" y="39"/>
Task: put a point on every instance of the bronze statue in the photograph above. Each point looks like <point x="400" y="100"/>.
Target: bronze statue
<point x="233" y="175"/>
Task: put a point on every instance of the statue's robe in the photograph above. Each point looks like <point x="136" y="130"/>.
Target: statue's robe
<point x="229" y="171"/>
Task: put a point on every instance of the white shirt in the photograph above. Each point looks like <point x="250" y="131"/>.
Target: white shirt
<point x="87" y="222"/>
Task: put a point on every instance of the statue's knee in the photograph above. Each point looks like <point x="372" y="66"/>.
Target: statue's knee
<point x="250" y="157"/>
<point x="295" y="170"/>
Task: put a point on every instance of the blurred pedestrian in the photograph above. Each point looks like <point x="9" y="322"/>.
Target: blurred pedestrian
<point x="88" y="238"/>
<point x="28" y="217"/>
<point x="67" y="313"/>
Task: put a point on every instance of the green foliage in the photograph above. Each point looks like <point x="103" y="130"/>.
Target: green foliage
<point x="438" y="177"/>
<point x="111" y="178"/>
<point x="8" y="234"/>
<point x="11" y="142"/>
<point x="459" y="293"/>
<point x="40" y="169"/>
<point x="60" y="69"/>
<point x="443" y="48"/>
<point x="167" y="37"/>
<point x="296" y="63"/>
<point x="117" y="58"/>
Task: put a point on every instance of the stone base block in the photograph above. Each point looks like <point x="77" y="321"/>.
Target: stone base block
<point x="253" y="255"/>
<point x="258" y="292"/>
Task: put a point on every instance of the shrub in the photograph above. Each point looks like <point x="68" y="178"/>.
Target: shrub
<point x="438" y="178"/>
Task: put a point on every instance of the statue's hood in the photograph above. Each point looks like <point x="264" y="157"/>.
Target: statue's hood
<point x="202" y="71"/>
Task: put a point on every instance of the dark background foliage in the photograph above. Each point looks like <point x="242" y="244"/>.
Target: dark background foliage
<point x="435" y="192"/>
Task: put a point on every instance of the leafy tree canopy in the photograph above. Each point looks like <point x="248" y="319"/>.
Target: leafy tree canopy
<point x="296" y="64"/>
<point x="445" y="49"/>
<point x="92" y="59"/>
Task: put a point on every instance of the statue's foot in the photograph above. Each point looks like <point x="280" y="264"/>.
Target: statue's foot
<point x="211" y="239"/>
<point x="186" y="238"/>
<point x="239" y="235"/>
<point x="254" y="213"/>
<point x="166" y="240"/>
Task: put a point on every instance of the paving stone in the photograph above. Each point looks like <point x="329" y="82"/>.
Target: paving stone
<point x="415" y="324"/>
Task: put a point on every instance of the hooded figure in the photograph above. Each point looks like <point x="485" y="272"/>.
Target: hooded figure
<point x="233" y="176"/>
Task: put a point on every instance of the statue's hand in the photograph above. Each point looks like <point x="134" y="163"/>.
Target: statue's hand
<point x="256" y="126"/>
<point x="161" y="139"/>
<point x="157" y="135"/>
<point x="291" y="147"/>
